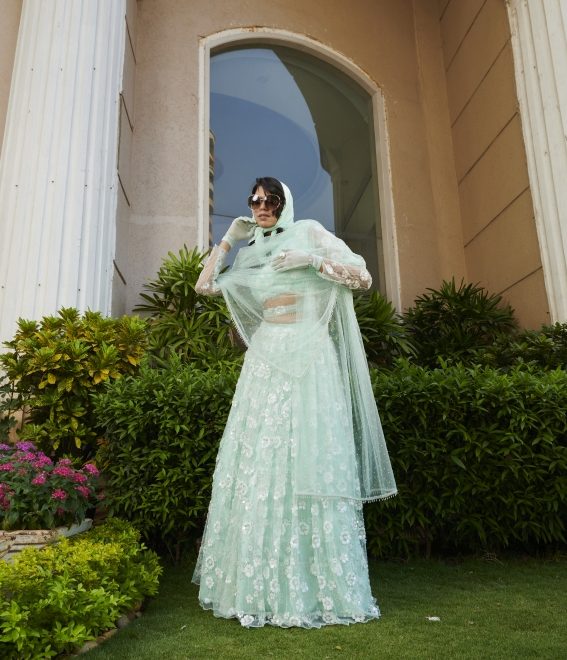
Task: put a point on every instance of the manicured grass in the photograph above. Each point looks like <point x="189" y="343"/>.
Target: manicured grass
<point x="496" y="609"/>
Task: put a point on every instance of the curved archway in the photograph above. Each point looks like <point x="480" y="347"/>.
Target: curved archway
<point x="302" y="57"/>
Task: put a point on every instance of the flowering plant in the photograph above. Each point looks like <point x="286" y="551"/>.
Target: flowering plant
<point x="36" y="493"/>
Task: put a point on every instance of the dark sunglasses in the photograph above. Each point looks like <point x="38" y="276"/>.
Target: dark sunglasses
<point x="272" y="202"/>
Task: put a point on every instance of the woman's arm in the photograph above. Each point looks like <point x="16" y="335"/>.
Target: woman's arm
<point x="337" y="262"/>
<point x="207" y="283"/>
<point x="353" y="277"/>
<point x="240" y="228"/>
<point x="330" y="257"/>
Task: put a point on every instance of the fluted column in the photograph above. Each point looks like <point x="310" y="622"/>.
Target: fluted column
<point x="58" y="168"/>
<point x="539" y="39"/>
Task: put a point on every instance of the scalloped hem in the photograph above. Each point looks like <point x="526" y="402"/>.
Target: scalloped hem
<point x="314" y="620"/>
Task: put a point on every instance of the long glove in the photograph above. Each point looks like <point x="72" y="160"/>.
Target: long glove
<point x="291" y="259"/>
<point x="239" y="229"/>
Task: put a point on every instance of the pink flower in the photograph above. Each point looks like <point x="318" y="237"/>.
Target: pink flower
<point x="64" y="471"/>
<point x="41" y="459"/>
<point x="91" y="469"/>
<point x="5" y="447"/>
<point x="25" y="446"/>
<point x="6" y="467"/>
<point x="27" y="456"/>
<point x="40" y="479"/>
<point x="65" y="461"/>
<point x="80" y="478"/>
<point x="85" y="492"/>
<point x="59" y="494"/>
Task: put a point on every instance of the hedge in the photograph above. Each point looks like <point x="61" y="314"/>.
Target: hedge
<point x="480" y="458"/>
<point x="54" y="599"/>
<point x="479" y="455"/>
<point x="161" y="434"/>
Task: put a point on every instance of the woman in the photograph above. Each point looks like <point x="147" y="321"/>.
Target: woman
<point x="303" y="447"/>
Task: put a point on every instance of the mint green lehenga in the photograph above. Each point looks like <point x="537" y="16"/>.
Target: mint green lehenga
<point x="303" y="448"/>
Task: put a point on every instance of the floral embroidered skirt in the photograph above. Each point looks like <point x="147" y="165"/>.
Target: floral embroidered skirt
<point x="268" y="554"/>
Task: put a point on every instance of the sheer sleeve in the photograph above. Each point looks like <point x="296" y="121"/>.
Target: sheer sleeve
<point x="207" y="283"/>
<point x="353" y="277"/>
<point x="338" y="262"/>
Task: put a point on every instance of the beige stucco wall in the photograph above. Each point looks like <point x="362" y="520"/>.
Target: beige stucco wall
<point x="10" y="11"/>
<point x="500" y="240"/>
<point x="396" y="42"/>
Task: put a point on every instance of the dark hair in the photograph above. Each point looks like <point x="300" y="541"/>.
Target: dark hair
<point x="271" y="186"/>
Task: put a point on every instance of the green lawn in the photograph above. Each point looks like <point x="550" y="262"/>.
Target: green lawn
<point x="508" y="609"/>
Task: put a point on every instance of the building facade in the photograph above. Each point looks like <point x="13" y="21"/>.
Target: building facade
<point x="430" y="134"/>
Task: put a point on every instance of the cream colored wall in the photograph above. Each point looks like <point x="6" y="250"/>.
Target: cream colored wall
<point x="396" y="42"/>
<point x="500" y="240"/>
<point x="10" y="12"/>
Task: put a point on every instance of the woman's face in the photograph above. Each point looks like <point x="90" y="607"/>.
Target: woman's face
<point x="263" y="216"/>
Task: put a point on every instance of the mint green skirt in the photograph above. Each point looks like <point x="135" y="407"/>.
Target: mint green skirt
<point x="269" y="554"/>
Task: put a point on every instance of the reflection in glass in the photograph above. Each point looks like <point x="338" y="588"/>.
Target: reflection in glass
<point x="284" y="113"/>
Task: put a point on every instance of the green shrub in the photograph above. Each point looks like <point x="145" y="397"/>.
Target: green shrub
<point x="7" y="407"/>
<point x="480" y="458"/>
<point x="162" y="432"/>
<point x="455" y="323"/>
<point x="479" y="455"/>
<point x="194" y="327"/>
<point x="54" y="599"/>
<point x="56" y="364"/>
<point x="384" y="336"/>
<point x="545" y="348"/>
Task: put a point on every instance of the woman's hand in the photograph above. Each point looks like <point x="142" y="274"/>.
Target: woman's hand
<point x="290" y="259"/>
<point x="239" y="229"/>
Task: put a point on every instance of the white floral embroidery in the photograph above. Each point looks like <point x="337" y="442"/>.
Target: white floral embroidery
<point x="261" y="532"/>
<point x="247" y="620"/>
<point x="327" y="603"/>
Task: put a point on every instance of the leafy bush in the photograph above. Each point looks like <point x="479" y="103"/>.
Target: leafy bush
<point x="384" y="336"/>
<point x="480" y="458"/>
<point x="480" y="455"/>
<point x="454" y="323"/>
<point x="56" y="364"/>
<point x="7" y="407"/>
<point x="182" y="322"/>
<point x="35" y="493"/>
<point x="54" y="599"/>
<point x="162" y="432"/>
<point x="545" y="348"/>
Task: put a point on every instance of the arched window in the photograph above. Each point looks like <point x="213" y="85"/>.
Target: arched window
<point x="277" y="111"/>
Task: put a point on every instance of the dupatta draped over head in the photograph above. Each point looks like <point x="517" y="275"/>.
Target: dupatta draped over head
<point x="289" y="318"/>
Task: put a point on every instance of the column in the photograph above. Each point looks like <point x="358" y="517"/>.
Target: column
<point x="58" y="173"/>
<point x="539" y="40"/>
